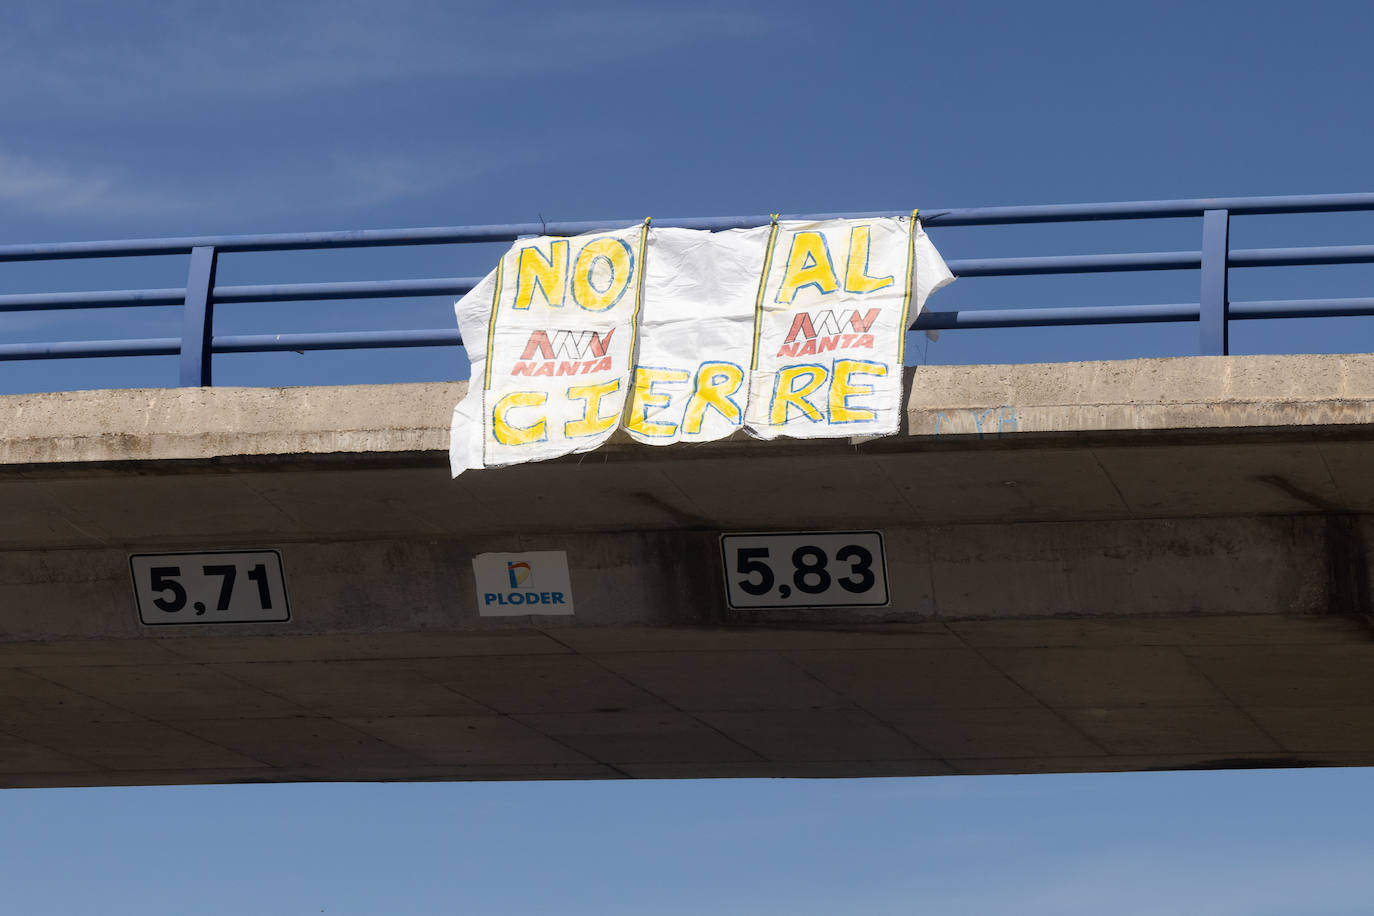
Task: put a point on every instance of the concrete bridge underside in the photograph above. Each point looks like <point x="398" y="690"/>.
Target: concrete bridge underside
<point x="1095" y="566"/>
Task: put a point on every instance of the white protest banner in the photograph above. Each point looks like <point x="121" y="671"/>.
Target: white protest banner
<point x="835" y="304"/>
<point x="696" y="329"/>
<point x="793" y="329"/>
<point x="558" y="318"/>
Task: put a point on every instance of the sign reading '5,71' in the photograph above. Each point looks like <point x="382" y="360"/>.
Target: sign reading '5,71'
<point x="223" y="586"/>
<point x="804" y="569"/>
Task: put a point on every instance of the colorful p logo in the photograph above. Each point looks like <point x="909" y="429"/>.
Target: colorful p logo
<point x="518" y="573"/>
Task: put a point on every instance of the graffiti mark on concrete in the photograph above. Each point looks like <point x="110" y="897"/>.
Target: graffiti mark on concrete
<point x="990" y="421"/>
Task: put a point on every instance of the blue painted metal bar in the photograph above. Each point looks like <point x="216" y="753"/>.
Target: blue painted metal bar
<point x="279" y="292"/>
<point x="340" y="340"/>
<point x="1075" y="264"/>
<point x="442" y="235"/>
<point x="928" y="320"/>
<point x="1303" y="308"/>
<point x="932" y="320"/>
<point x="63" y="349"/>
<point x="1149" y="209"/>
<point x="246" y="343"/>
<point x="367" y="289"/>
<point x="198" y="318"/>
<point x="453" y="286"/>
<point x="106" y="299"/>
<point x="1213" y="339"/>
<point x="1298" y="257"/>
<point x="450" y="286"/>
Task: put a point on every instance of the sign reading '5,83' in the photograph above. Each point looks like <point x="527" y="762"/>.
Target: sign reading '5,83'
<point x="804" y="569"/>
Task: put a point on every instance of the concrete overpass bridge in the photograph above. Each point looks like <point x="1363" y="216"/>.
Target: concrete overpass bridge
<point x="1091" y="566"/>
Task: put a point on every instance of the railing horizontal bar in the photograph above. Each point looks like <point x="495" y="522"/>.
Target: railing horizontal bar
<point x="1302" y="308"/>
<point x="1054" y="317"/>
<point x="1075" y="264"/>
<point x="89" y="300"/>
<point x="293" y="241"/>
<point x="155" y="346"/>
<point x="440" y="235"/>
<point x="281" y="292"/>
<point x="932" y="320"/>
<point x="1148" y="209"/>
<point x="342" y="340"/>
<point x="366" y="289"/>
<point x="1295" y="257"/>
<point x="371" y="238"/>
<point x="928" y="320"/>
<point x="254" y="343"/>
<point x="454" y="286"/>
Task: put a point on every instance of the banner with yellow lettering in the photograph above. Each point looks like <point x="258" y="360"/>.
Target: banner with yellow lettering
<point x="676" y="335"/>
<point x="696" y="334"/>
<point x="558" y="317"/>
<point x="834" y="305"/>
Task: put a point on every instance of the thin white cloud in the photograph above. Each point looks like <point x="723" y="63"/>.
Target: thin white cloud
<point x="27" y="183"/>
<point x="1227" y="883"/>
<point x="364" y="181"/>
<point x="65" y="60"/>
<point x="83" y="54"/>
<point x="73" y="190"/>
<point x="1223" y="883"/>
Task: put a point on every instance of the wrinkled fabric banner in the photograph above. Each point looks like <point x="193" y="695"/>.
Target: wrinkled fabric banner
<point x="558" y="318"/>
<point x="696" y="335"/>
<point x="676" y="335"/>
<point x="837" y="299"/>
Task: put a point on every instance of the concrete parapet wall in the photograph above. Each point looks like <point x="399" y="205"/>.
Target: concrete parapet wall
<point x="1188" y="393"/>
<point x="1093" y="566"/>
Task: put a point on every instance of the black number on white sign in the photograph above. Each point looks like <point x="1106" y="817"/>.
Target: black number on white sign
<point x="750" y="560"/>
<point x="808" y="563"/>
<point x="805" y="570"/>
<point x="207" y="587"/>
<point x="163" y="580"/>
<point x="861" y="565"/>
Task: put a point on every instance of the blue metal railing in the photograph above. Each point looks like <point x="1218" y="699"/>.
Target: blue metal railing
<point x="197" y="344"/>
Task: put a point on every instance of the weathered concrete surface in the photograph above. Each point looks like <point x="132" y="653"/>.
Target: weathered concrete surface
<point x="1153" y="563"/>
<point x="1194" y="393"/>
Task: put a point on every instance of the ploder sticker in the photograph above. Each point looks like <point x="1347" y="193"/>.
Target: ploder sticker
<point x="520" y="584"/>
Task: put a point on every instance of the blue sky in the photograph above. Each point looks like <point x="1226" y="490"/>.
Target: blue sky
<point x="1252" y="842"/>
<point x="150" y="119"/>
<point x="153" y="119"/>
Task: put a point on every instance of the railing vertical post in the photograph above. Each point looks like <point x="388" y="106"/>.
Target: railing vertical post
<point x="1216" y="247"/>
<point x="198" y="318"/>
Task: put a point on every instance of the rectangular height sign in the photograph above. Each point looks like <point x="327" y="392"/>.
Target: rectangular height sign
<point x="676" y="335"/>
